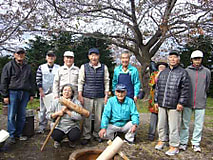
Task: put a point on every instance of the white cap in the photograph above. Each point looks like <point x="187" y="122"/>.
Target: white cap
<point x="68" y="54"/>
<point x="197" y="54"/>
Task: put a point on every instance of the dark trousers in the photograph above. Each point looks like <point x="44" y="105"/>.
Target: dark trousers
<point x="153" y="125"/>
<point x="73" y="135"/>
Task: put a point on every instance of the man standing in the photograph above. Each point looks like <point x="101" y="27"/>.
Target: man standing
<point x="44" y="79"/>
<point x="171" y="95"/>
<point x="66" y="74"/>
<point x="93" y="88"/>
<point x="200" y="77"/>
<point x="17" y="88"/>
<point x="120" y="115"/>
<point x="128" y="75"/>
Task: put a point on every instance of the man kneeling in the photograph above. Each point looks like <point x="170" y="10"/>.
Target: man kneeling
<point x="120" y="115"/>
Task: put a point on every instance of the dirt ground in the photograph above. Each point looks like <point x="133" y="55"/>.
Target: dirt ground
<point x="143" y="149"/>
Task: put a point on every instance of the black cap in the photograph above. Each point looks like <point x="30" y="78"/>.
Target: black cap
<point x="20" y="50"/>
<point x="50" y="53"/>
<point x="174" y="52"/>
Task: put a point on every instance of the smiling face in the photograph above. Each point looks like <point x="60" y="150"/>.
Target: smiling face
<point x="67" y="92"/>
<point x="125" y="59"/>
<point x="120" y="95"/>
<point x="197" y="61"/>
<point x="68" y="61"/>
<point x="94" y="58"/>
<point x="173" y="60"/>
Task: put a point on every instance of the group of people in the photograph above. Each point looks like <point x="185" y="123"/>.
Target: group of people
<point x="87" y="87"/>
<point x="175" y="94"/>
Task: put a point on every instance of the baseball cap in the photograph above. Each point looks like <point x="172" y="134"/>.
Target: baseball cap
<point x="120" y="87"/>
<point x="68" y="54"/>
<point x="93" y="50"/>
<point x="50" y="53"/>
<point x="174" y="52"/>
<point x="20" y="50"/>
<point x="197" y="54"/>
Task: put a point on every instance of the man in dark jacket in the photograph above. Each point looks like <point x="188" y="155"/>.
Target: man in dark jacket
<point x="17" y="88"/>
<point x="171" y="95"/>
<point x="200" y="77"/>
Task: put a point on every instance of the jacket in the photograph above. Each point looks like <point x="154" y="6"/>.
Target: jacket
<point x="66" y="122"/>
<point x="64" y="76"/>
<point x="16" y="77"/>
<point x="199" y="85"/>
<point x="172" y="88"/>
<point x="119" y="114"/>
<point x="134" y="78"/>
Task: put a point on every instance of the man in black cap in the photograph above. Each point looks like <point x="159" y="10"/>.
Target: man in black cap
<point x="17" y="85"/>
<point x="93" y="88"/>
<point x="44" y="79"/>
<point x="171" y="95"/>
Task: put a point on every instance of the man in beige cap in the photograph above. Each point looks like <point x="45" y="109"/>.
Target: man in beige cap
<point x="68" y="73"/>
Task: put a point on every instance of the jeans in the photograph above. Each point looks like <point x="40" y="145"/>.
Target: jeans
<point x="17" y="111"/>
<point x="199" y="115"/>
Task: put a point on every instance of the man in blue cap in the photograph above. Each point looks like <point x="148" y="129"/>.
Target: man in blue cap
<point x="128" y="75"/>
<point x="120" y="115"/>
<point x="93" y="88"/>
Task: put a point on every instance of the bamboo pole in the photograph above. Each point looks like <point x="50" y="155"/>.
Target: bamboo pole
<point x="51" y="131"/>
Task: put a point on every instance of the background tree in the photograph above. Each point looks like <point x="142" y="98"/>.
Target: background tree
<point x="62" y="42"/>
<point x="205" y="44"/>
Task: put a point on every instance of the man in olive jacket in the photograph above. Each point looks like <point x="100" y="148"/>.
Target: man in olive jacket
<point x="17" y="86"/>
<point x="171" y="95"/>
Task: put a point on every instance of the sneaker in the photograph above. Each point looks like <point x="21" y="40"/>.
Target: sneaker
<point x="172" y="151"/>
<point x="11" y="140"/>
<point x="7" y="144"/>
<point x="40" y="131"/>
<point x="22" y="138"/>
<point x="160" y="145"/>
<point x="85" y="141"/>
<point x="183" y="147"/>
<point x="72" y="144"/>
<point x="56" y="144"/>
<point x="196" y="148"/>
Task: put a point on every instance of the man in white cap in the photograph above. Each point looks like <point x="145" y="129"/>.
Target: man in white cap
<point x="200" y="77"/>
<point x="68" y="73"/>
<point x="44" y="80"/>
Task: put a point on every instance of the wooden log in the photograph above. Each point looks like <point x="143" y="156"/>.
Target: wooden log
<point x="72" y="106"/>
<point x="51" y="131"/>
<point x="119" y="152"/>
<point x="111" y="150"/>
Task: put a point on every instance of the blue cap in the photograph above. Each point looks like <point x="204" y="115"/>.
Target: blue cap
<point x="120" y="87"/>
<point x="93" y="50"/>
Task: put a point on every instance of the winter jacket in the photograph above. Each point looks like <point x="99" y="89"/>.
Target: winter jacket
<point x="16" y="77"/>
<point x="172" y="88"/>
<point x="199" y="84"/>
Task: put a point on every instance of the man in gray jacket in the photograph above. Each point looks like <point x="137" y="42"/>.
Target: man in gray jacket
<point x="200" y="77"/>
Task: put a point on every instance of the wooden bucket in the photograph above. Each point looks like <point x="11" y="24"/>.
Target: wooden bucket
<point x="89" y="154"/>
